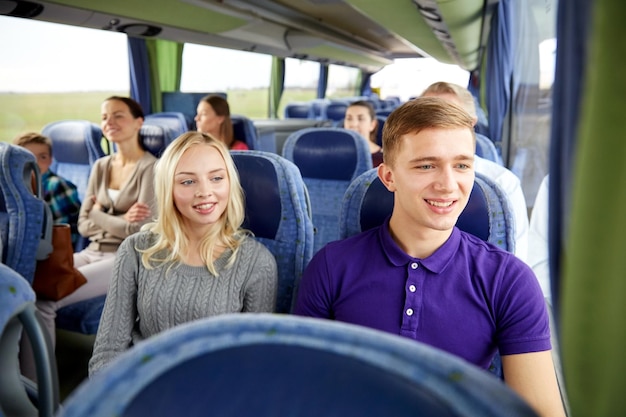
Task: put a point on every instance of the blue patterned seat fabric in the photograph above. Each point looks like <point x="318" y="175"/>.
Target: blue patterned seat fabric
<point x="328" y="159"/>
<point x="485" y="148"/>
<point x="174" y="121"/>
<point x="297" y="110"/>
<point x="17" y="312"/>
<point x="488" y="213"/>
<point x="155" y="138"/>
<point x="245" y="131"/>
<point x="76" y="144"/>
<point x="279" y="365"/>
<point x="21" y="211"/>
<point x="277" y="212"/>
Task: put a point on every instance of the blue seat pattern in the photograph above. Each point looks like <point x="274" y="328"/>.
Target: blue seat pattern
<point x="21" y="210"/>
<point x="328" y="159"/>
<point x="298" y="110"/>
<point x="485" y="148"/>
<point x="76" y="144"/>
<point x="335" y="111"/>
<point x="277" y="365"/>
<point x="245" y="131"/>
<point x="173" y="120"/>
<point x="155" y="138"/>
<point x="488" y="215"/>
<point x="17" y="312"/>
<point x="277" y="212"/>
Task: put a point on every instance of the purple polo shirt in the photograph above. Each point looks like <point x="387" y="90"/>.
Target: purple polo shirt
<point x="469" y="298"/>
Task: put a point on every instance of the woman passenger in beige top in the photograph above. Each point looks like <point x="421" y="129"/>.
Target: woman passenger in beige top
<point x="119" y="200"/>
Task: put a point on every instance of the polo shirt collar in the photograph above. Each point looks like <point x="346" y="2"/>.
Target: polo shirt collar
<point x="437" y="262"/>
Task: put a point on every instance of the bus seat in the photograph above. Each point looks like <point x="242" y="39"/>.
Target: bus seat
<point x="336" y="112"/>
<point x="488" y="214"/>
<point x="20" y="396"/>
<point x="273" y="365"/>
<point x="22" y="211"/>
<point x="173" y="120"/>
<point x="486" y="149"/>
<point x="379" y="129"/>
<point x="185" y="103"/>
<point x="76" y="144"/>
<point x="298" y="110"/>
<point x="384" y="112"/>
<point x="155" y="138"/>
<point x="278" y="213"/>
<point x="318" y="108"/>
<point x="245" y="131"/>
<point x="328" y="159"/>
<point x="81" y="317"/>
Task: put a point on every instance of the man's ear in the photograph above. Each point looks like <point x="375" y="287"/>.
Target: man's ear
<point x="386" y="177"/>
<point x="474" y="120"/>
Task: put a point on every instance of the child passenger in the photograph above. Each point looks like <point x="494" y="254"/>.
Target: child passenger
<point x="194" y="261"/>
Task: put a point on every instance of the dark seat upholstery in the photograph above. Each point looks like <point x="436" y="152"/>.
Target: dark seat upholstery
<point x="278" y="365"/>
<point x="328" y="159"/>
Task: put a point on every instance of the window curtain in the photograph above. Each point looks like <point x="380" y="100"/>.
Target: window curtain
<point x="140" y="78"/>
<point x="322" y="82"/>
<point x="277" y="86"/>
<point x="499" y="70"/>
<point x="593" y="311"/>
<point x="166" y="62"/>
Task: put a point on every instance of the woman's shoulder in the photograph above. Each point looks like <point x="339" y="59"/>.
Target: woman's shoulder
<point x="141" y="240"/>
<point x="253" y="247"/>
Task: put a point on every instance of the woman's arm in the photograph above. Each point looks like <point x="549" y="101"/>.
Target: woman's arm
<point x="120" y="310"/>
<point x="261" y="286"/>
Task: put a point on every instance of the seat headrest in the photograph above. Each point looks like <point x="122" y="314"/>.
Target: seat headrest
<point x="74" y="141"/>
<point x="331" y="154"/>
<point x="153" y="138"/>
<point x="263" y="203"/>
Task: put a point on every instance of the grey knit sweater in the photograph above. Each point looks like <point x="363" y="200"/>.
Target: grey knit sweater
<point x="143" y="302"/>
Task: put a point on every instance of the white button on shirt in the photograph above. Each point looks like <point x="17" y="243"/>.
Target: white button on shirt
<point x="412" y="288"/>
<point x="414" y="265"/>
<point x="409" y="311"/>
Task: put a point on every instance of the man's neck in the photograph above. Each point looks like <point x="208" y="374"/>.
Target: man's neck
<point x="417" y="242"/>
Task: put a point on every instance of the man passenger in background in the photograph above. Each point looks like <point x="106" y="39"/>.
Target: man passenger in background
<point x="420" y="277"/>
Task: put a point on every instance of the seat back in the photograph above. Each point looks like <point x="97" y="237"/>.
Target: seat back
<point x="17" y="313"/>
<point x="155" y="138"/>
<point x="276" y="365"/>
<point x="328" y="159"/>
<point x="76" y="144"/>
<point x="488" y="214"/>
<point x="486" y="149"/>
<point x="22" y="211"/>
<point x="379" y="129"/>
<point x="297" y="110"/>
<point x="277" y="212"/>
<point x="173" y="120"/>
<point x="245" y="131"/>
<point x="336" y="111"/>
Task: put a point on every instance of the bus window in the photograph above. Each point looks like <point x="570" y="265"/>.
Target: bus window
<point x="342" y="82"/>
<point x="408" y="77"/>
<point x="212" y="69"/>
<point x="301" y="79"/>
<point x="53" y="72"/>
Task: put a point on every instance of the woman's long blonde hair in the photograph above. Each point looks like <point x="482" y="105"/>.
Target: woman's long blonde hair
<point x="171" y="241"/>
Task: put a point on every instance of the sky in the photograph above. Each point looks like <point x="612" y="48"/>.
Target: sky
<point x="47" y="57"/>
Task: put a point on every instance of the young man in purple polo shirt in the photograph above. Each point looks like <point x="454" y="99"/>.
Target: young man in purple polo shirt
<point x="420" y="277"/>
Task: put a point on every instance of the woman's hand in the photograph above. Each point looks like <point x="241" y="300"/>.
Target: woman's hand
<point x="137" y="212"/>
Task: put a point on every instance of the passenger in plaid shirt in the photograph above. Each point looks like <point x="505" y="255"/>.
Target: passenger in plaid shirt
<point x="60" y="194"/>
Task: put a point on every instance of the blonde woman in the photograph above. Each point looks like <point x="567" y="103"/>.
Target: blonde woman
<point x="195" y="261"/>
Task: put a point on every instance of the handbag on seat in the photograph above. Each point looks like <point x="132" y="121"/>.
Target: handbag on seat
<point x="55" y="276"/>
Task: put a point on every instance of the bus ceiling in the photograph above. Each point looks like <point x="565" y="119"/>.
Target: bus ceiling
<point x="361" y="33"/>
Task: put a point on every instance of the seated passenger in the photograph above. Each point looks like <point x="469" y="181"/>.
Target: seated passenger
<point x="361" y="117"/>
<point x="120" y="199"/>
<point x="502" y="176"/>
<point x="213" y="117"/>
<point x="195" y="261"/>
<point x="419" y="276"/>
<point x="538" y="239"/>
<point x="60" y="194"/>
